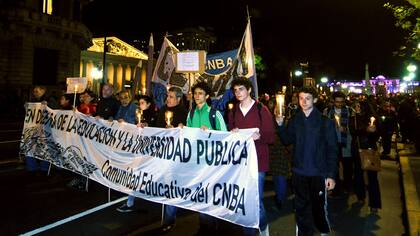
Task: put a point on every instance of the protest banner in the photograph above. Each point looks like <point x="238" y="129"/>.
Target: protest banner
<point x="213" y="172"/>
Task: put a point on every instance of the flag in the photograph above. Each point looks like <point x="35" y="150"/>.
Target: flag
<point x="246" y="59"/>
<point x="149" y="65"/>
<point x="243" y="65"/>
<point x="164" y="74"/>
<point x="135" y="83"/>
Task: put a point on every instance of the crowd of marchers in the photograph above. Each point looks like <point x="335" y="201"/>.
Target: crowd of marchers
<point x="310" y="148"/>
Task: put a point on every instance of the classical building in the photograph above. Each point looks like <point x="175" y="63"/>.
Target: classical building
<point x="125" y="66"/>
<point x="40" y="43"/>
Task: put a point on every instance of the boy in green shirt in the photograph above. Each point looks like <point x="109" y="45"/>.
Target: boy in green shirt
<point x="202" y="116"/>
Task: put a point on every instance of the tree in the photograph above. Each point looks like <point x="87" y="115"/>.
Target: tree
<point x="407" y="18"/>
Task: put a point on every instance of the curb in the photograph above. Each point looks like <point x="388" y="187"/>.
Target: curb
<point x="412" y="203"/>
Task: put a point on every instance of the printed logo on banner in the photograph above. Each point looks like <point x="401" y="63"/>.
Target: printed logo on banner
<point x="38" y="141"/>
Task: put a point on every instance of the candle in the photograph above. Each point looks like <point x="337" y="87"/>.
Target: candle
<point x="283" y="89"/>
<point x="139" y="115"/>
<point x="372" y="119"/>
<point x="143" y="91"/>
<point x="337" y="119"/>
<point x="75" y="88"/>
<point x="280" y="102"/>
<point x="168" y="116"/>
<point x="230" y="106"/>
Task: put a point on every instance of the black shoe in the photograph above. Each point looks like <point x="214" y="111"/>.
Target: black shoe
<point x="166" y="228"/>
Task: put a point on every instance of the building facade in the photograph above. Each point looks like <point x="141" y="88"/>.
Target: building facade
<point x="40" y="43"/>
<point x="125" y="65"/>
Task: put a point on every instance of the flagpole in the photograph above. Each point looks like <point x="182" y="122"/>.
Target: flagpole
<point x="149" y="66"/>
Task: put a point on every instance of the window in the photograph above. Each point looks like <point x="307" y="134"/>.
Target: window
<point x="47" y="7"/>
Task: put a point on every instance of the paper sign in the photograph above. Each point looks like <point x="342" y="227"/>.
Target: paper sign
<point x="76" y="85"/>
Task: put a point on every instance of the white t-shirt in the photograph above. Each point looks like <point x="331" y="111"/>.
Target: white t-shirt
<point x="245" y="110"/>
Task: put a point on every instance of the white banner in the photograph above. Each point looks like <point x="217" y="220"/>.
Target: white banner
<point x="213" y="172"/>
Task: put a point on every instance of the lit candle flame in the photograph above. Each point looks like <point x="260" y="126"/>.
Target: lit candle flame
<point x="337" y="119"/>
<point x="168" y="115"/>
<point x="143" y="91"/>
<point x="372" y="119"/>
<point x="280" y="102"/>
<point x="230" y="106"/>
<point x="139" y="115"/>
<point x="75" y="88"/>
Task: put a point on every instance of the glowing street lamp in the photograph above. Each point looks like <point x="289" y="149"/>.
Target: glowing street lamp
<point x="411" y="68"/>
<point x="324" y="80"/>
<point x="298" y="73"/>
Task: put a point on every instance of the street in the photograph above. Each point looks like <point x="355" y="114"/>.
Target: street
<point x="33" y="202"/>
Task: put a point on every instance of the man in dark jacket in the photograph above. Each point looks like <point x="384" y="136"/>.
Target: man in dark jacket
<point x="315" y="162"/>
<point x="107" y="106"/>
<point x="178" y="117"/>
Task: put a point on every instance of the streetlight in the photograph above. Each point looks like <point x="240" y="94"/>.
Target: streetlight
<point x="324" y="80"/>
<point x="297" y="73"/>
<point x="96" y="75"/>
<point x="411" y="68"/>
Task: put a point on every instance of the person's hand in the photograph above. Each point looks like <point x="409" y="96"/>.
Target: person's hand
<point x="180" y="125"/>
<point x="256" y="135"/>
<point x="204" y="128"/>
<point x="45" y="103"/>
<point x="371" y="128"/>
<point x="330" y="183"/>
<point x="142" y="125"/>
<point x="234" y="130"/>
<point x="110" y="119"/>
<point x="279" y="119"/>
<point x="342" y="129"/>
<point x="120" y="120"/>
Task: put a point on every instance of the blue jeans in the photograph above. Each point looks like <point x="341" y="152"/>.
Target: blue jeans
<point x="280" y="187"/>
<point x="33" y="164"/>
<point x="169" y="214"/>
<point x="263" y="217"/>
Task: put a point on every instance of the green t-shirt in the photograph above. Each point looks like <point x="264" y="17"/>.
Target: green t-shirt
<point x="202" y="117"/>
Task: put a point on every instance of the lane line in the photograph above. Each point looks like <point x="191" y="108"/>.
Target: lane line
<point x="74" y="217"/>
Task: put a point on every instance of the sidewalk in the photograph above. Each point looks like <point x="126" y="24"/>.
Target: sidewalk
<point x="410" y="174"/>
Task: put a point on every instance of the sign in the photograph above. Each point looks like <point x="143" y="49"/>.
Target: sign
<point x="213" y="172"/>
<point x="190" y="61"/>
<point x="76" y="85"/>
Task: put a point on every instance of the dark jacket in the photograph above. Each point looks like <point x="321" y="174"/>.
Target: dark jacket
<point x="325" y="149"/>
<point x="179" y="116"/>
<point x="107" y="107"/>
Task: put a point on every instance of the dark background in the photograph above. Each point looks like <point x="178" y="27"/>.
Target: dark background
<point x="336" y="37"/>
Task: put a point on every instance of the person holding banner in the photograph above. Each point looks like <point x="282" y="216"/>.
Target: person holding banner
<point x="172" y="114"/>
<point x="126" y="113"/>
<point x="107" y="106"/>
<point x="206" y="118"/>
<point x="252" y="114"/>
<point x="314" y="162"/>
<point x="33" y="165"/>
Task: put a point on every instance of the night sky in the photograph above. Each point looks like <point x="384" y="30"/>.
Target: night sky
<point x="336" y="37"/>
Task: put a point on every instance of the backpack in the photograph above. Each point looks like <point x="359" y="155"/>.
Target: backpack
<point x="212" y="116"/>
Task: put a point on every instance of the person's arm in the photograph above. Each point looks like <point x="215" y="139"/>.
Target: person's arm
<point x="286" y="133"/>
<point x="331" y="149"/>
